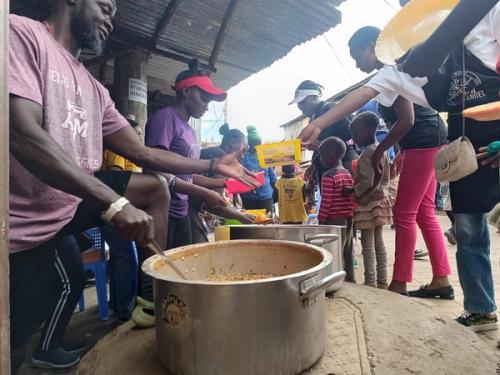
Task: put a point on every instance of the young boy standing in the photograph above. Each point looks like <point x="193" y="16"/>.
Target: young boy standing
<point x="291" y="197"/>
<point x="337" y="199"/>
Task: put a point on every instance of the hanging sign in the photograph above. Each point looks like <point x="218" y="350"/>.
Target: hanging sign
<point x="137" y="91"/>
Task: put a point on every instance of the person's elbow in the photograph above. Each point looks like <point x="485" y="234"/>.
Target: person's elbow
<point x="368" y="92"/>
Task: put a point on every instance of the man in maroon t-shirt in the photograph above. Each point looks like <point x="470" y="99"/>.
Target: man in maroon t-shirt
<point x="60" y="116"/>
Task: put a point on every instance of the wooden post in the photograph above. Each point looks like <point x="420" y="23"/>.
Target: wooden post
<point x="4" y="193"/>
<point x="130" y="85"/>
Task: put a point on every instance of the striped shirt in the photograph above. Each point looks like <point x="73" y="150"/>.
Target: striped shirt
<point x="334" y="203"/>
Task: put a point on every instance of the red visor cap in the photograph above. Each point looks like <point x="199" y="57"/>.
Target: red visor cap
<point x="203" y="83"/>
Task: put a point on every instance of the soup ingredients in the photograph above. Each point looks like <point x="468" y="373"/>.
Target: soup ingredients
<point x="240" y="277"/>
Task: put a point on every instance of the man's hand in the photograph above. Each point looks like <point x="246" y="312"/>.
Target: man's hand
<point x="248" y="219"/>
<point x="134" y="225"/>
<point x="483" y="156"/>
<point x="213" y="199"/>
<point x="229" y="166"/>
<point x="309" y="135"/>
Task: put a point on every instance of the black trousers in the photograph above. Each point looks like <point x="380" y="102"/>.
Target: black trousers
<point x="348" y="248"/>
<point x="198" y="231"/>
<point x="46" y="283"/>
<point x="179" y="232"/>
<point x="68" y="283"/>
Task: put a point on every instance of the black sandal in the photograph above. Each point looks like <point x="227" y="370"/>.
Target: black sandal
<point x="445" y="292"/>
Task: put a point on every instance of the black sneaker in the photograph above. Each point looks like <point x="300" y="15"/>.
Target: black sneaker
<point x="478" y="322"/>
<point x="75" y="347"/>
<point x="54" y="359"/>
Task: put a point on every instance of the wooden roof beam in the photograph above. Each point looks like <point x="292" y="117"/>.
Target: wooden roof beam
<point x="124" y="38"/>
<point x="164" y="21"/>
<point x="107" y="56"/>
<point x="224" y="28"/>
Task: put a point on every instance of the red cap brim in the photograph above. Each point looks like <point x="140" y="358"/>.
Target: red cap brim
<point x="203" y="83"/>
<point x="218" y="94"/>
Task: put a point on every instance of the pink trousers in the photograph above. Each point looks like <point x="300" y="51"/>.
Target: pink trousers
<point x="415" y="206"/>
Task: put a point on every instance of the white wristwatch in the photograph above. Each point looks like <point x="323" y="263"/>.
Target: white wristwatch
<point x="113" y="209"/>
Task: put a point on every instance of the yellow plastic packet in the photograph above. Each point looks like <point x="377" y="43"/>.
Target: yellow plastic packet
<point x="278" y="154"/>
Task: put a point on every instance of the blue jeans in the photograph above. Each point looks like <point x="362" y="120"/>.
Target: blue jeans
<point x="473" y="261"/>
<point x="123" y="272"/>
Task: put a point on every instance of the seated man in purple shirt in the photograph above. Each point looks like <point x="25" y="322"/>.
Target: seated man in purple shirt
<point x="60" y="119"/>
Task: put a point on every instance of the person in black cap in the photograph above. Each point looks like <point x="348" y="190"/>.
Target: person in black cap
<point x="308" y="99"/>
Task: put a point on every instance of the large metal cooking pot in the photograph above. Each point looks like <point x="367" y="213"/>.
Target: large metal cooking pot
<point x="329" y="237"/>
<point x="253" y="327"/>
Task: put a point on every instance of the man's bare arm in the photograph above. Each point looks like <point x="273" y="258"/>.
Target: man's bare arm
<point x="427" y="58"/>
<point x="125" y="142"/>
<point x="33" y="147"/>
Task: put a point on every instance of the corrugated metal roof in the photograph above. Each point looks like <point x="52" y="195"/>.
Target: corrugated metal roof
<point x="261" y="31"/>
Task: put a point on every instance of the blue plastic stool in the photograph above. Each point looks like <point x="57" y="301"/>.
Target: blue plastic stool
<point x="99" y="269"/>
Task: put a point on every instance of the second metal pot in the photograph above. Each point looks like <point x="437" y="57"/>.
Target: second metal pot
<point x="329" y="237"/>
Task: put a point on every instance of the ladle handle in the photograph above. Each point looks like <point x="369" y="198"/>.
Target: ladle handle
<point x="153" y="245"/>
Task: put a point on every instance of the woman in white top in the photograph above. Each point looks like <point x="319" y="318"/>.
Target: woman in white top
<point x="474" y="195"/>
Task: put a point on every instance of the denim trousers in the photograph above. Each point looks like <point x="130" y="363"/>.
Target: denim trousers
<point x="123" y="272"/>
<point x="473" y="261"/>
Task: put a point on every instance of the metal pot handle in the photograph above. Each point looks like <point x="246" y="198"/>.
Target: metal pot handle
<point x="310" y="288"/>
<point x="321" y="238"/>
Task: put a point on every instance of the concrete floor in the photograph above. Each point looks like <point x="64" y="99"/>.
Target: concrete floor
<point x="368" y="331"/>
<point x="422" y="275"/>
<point x="86" y="325"/>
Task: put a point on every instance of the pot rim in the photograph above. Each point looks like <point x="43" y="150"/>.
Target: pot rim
<point x="148" y="265"/>
<point x="285" y="226"/>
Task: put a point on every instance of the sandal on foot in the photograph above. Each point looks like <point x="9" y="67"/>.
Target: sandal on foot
<point x="143" y="315"/>
<point x="445" y="292"/>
